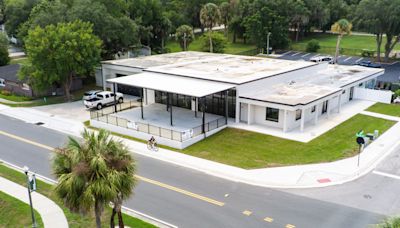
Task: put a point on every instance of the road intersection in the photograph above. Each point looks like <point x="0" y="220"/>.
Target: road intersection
<point x="188" y="198"/>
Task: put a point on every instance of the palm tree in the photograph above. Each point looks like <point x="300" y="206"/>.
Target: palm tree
<point x="225" y="9"/>
<point x="341" y="27"/>
<point x="184" y="35"/>
<point x="94" y="172"/>
<point x="209" y="17"/>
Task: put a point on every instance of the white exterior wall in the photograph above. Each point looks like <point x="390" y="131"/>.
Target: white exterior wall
<point x="110" y="71"/>
<point x="373" y="95"/>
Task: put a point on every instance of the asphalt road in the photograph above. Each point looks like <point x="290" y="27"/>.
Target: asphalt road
<point x="188" y="198"/>
<point x="392" y="70"/>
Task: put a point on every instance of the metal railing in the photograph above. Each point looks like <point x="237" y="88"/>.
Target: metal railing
<point x="104" y="116"/>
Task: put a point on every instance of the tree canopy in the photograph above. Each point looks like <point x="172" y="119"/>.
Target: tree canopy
<point x="59" y="53"/>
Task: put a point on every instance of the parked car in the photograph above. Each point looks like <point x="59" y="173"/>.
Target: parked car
<point x="320" y="59"/>
<point x="103" y="99"/>
<point x="369" y="64"/>
<point x="90" y="94"/>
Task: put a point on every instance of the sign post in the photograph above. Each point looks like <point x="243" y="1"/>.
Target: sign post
<point x="360" y="141"/>
<point x="31" y="184"/>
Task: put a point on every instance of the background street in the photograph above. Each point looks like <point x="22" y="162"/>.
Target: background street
<point x="187" y="198"/>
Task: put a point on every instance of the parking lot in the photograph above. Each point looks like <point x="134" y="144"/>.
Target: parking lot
<point x="392" y="70"/>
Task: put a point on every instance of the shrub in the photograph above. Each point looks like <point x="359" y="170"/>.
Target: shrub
<point x="5" y="93"/>
<point x="313" y="46"/>
<point x="397" y="93"/>
<point x="219" y="42"/>
<point x="4" y="58"/>
<point x="367" y="53"/>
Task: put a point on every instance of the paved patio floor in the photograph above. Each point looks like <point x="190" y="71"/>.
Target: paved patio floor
<point x="157" y="115"/>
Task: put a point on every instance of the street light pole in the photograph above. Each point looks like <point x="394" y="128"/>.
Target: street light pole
<point x="268" y="42"/>
<point x="26" y="170"/>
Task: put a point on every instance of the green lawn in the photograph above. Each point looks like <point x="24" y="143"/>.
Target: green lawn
<point x="77" y="95"/>
<point x="231" y="48"/>
<point x="252" y="150"/>
<point x="74" y="220"/>
<point x="19" y="61"/>
<point x="15" y="213"/>
<point x="352" y="45"/>
<point x="388" y="109"/>
<point x="16" y="98"/>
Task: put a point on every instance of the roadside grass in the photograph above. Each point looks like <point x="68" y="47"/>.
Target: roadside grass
<point x="350" y="44"/>
<point x="252" y="150"/>
<point x="15" y="98"/>
<point x="49" y="100"/>
<point x="74" y="220"/>
<point x="231" y="48"/>
<point x="387" y="109"/>
<point x="15" y="213"/>
<point x="19" y="60"/>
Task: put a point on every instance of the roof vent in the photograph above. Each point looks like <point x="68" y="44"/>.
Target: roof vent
<point x="292" y="82"/>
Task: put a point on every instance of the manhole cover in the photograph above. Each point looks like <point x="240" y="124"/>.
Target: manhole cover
<point x="39" y="123"/>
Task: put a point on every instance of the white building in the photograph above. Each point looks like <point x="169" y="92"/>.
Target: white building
<point x="229" y="89"/>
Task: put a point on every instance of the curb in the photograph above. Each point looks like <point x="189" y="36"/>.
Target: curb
<point x="128" y="211"/>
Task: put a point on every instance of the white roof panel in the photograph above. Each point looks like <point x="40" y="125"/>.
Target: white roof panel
<point x="173" y="84"/>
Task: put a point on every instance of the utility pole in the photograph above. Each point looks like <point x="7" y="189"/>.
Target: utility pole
<point x="31" y="184"/>
<point x="268" y="42"/>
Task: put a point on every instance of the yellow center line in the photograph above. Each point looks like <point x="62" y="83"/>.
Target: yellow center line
<point x="26" y="140"/>
<point x="268" y="219"/>
<point x="290" y="226"/>
<point x="172" y="188"/>
<point x="247" y="212"/>
<point x="191" y="194"/>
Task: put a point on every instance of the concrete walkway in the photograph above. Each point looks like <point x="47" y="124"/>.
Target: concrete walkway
<point x="52" y="215"/>
<point x="301" y="176"/>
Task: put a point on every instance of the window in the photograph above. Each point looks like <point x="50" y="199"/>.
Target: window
<point x="298" y="114"/>
<point x="272" y="114"/>
<point x="107" y="96"/>
<point x="2" y="82"/>
<point x="112" y="95"/>
<point x="313" y="108"/>
<point x="344" y="91"/>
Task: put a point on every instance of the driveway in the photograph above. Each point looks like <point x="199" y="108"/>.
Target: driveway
<point x="72" y="110"/>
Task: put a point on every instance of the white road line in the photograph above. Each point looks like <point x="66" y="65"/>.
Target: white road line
<point x="305" y="55"/>
<point x="347" y="59"/>
<point x="296" y="53"/>
<point x="358" y="60"/>
<point x="286" y="53"/>
<point x="386" y="174"/>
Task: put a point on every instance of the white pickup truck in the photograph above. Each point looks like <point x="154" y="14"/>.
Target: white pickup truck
<point x="103" y="99"/>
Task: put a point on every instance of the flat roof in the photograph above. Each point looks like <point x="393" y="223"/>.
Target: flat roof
<point x="144" y="62"/>
<point x="234" y="69"/>
<point x="313" y="87"/>
<point x="173" y="84"/>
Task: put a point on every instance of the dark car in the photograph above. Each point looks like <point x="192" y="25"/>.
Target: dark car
<point x="369" y="64"/>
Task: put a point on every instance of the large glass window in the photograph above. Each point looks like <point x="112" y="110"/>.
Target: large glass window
<point x="272" y="114"/>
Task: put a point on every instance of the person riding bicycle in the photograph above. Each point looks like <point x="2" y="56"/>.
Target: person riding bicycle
<point x="152" y="140"/>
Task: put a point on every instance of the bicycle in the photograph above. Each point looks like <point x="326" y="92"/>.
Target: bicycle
<point x="152" y="146"/>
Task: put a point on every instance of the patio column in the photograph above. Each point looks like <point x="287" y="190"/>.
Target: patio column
<point x="141" y="103"/>
<point x="284" y="120"/>
<point x="248" y="114"/>
<point x="339" y="103"/>
<point x="196" y="104"/>
<point x="327" y="109"/>
<point x="115" y="98"/>
<point x="204" y="115"/>
<point x="302" y="120"/>
<point x="170" y="108"/>
<point x="226" y="107"/>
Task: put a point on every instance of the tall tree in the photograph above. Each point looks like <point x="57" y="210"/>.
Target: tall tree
<point x="209" y="17"/>
<point x="94" y="172"/>
<point x="225" y="9"/>
<point x="17" y="12"/>
<point x="341" y="27"/>
<point x="59" y="53"/>
<point x="184" y="35"/>
<point x="300" y="16"/>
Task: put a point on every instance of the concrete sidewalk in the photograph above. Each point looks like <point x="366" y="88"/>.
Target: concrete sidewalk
<point x="52" y="215"/>
<point x="301" y="176"/>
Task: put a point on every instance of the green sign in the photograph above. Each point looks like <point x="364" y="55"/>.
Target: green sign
<point x="32" y="182"/>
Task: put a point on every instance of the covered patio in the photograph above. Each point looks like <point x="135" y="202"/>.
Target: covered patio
<point x="166" y="121"/>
